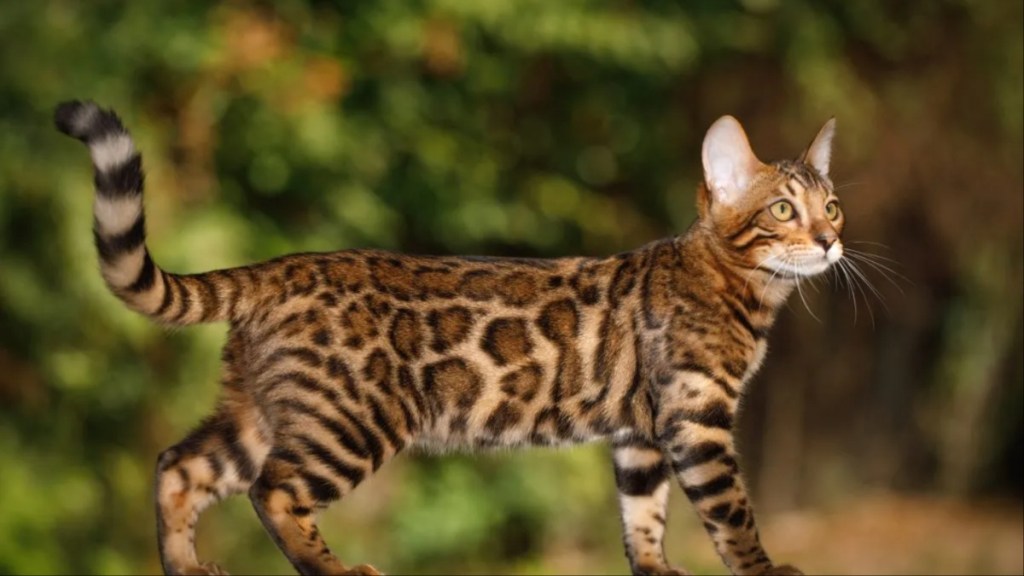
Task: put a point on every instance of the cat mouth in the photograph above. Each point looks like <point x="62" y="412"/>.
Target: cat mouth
<point x="834" y="253"/>
<point x="800" y="266"/>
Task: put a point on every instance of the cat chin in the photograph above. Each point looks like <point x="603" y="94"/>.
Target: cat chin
<point x="798" y="271"/>
<point x="813" y="269"/>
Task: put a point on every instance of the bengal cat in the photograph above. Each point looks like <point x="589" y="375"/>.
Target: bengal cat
<point x="335" y="362"/>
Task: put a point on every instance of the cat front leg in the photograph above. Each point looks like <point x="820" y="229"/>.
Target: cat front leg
<point x="694" y="426"/>
<point x="642" y="477"/>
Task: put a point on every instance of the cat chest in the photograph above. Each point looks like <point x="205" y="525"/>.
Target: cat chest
<point x="756" y="360"/>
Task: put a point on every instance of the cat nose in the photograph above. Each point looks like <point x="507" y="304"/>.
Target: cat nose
<point x="825" y="240"/>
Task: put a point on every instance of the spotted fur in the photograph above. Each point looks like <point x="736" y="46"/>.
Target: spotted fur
<point x="337" y="362"/>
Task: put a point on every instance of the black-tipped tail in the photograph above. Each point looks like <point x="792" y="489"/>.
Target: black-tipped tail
<point x="86" y="121"/>
<point x="119" y="225"/>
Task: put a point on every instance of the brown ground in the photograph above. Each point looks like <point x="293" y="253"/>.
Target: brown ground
<point x="900" y="535"/>
<point x="884" y="534"/>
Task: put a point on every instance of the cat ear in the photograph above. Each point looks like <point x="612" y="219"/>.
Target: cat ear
<point x="819" y="153"/>
<point x="729" y="163"/>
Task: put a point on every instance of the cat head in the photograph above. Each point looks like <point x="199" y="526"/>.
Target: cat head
<point x="782" y="217"/>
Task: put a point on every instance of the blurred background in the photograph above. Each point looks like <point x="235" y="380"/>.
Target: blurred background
<point x="884" y="435"/>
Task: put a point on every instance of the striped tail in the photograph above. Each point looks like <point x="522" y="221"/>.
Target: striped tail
<point x="119" y="228"/>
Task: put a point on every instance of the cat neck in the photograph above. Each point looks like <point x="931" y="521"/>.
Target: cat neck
<point x="706" y="254"/>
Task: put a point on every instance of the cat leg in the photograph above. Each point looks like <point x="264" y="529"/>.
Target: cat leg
<point x="221" y="457"/>
<point x="287" y="500"/>
<point x="323" y="451"/>
<point x="696" y="434"/>
<point x="642" y="478"/>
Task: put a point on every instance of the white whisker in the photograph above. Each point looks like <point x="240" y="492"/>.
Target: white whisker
<point x="861" y="282"/>
<point x="871" y="255"/>
<point x="885" y="270"/>
<point x="867" y="282"/>
<point x="869" y="242"/>
<point x="855" y="286"/>
<point x="849" y="287"/>
<point x="801" y="293"/>
<point x="838" y="187"/>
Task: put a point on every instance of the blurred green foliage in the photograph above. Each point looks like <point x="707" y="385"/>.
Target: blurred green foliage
<point x="525" y="127"/>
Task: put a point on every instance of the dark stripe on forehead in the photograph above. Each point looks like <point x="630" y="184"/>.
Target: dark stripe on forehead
<point x="806" y="175"/>
<point x="804" y="178"/>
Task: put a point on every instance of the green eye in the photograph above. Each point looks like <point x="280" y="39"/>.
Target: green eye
<point x="782" y="210"/>
<point x="832" y="210"/>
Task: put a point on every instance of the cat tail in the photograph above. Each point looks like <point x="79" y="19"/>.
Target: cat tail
<point x="119" y="230"/>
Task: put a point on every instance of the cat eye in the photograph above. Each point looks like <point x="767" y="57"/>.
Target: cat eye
<point x="832" y="210"/>
<point x="782" y="210"/>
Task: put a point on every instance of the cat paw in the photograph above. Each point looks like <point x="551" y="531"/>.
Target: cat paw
<point x="784" y="570"/>
<point x="363" y="570"/>
<point x="206" y="568"/>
